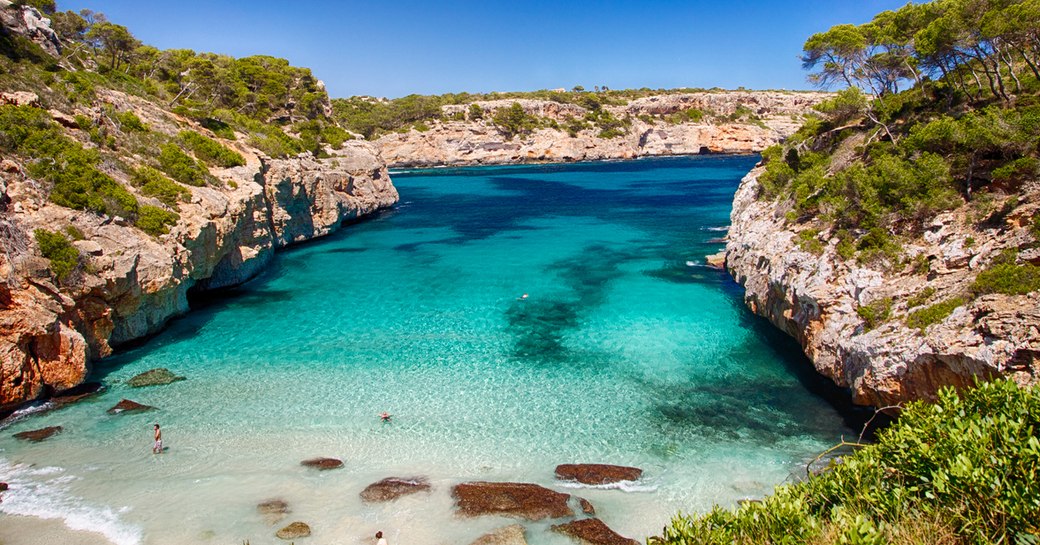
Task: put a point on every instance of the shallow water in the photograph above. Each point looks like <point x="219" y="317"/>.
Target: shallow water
<point x="627" y="350"/>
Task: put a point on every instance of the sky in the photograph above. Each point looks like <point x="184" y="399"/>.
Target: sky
<point x="393" y="48"/>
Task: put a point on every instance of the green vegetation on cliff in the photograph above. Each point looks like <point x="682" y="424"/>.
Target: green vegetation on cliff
<point x="965" y="470"/>
<point x="62" y="255"/>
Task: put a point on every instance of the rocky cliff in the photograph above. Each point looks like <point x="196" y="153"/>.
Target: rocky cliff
<point x="814" y="297"/>
<point x="735" y="122"/>
<point x="130" y="283"/>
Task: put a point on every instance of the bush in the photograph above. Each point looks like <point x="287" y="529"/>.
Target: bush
<point x="514" y="120"/>
<point x="921" y="319"/>
<point x="963" y="469"/>
<point x="154" y="184"/>
<point x="875" y="313"/>
<point x="155" y="221"/>
<point x="63" y="256"/>
<point x="920" y="298"/>
<point x="181" y="166"/>
<point x="809" y="241"/>
<point x="210" y="151"/>
<point x="1007" y="278"/>
<point x="128" y="121"/>
<point x="71" y="169"/>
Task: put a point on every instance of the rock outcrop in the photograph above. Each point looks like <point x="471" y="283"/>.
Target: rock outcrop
<point x="35" y="436"/>
<point x="777" y="115"/>
<point x="28" y="22"/>
<point x="506" y="535"/>
<point x="597" y="474"/>
<point x="593" y="532"/>
<point x="126" y="406"/>
<point x="154" y="377"/>
<point x="295" y="530"/>
<point x="323" y="464"/>
<point x="814" y="298"/>
<point x="130" y="283"/>
<point x="523" y="500"/>
<point x="391" y="488"/>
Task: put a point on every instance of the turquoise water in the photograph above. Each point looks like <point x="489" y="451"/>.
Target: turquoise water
<point x="627" y="350"/>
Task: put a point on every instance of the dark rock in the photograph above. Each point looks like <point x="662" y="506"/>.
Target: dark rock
<point x="506" y="535"/>
<point x="3" y="487"/>
<point x="586" y="507"/>
<point x="127" y="406"/>
<point x="38" y="435"/>
<point x="77" y="393"/>
<point x="323" y="463"/>
<point x="294" y="530"/>
<point x="523" y="500"/>
<point x="593" y="532"/>
<point x="596" y="474"/>
<point x="154" y="377"/>
<point x="391" y="488"/>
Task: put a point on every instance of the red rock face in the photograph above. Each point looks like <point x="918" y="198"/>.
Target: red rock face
<point x="594" y="532"/>
<point x="523" y="500"/>
<point x="597" y="474"/>
<point x="391" y="488"/>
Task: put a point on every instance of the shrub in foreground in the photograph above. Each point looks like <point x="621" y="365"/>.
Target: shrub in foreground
<point x="965" y="470"/>
<point x="63" y="256"/>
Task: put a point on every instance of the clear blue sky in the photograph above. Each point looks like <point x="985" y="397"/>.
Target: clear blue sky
<point x="397" y="47"/>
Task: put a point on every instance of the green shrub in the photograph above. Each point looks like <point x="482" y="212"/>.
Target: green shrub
<point x="475" y="112"/>
<point x="921" y="298"/>
<point x="921" y="319"/>
<point x="128" y="121"/>
<point x="210" y="151"/>
<point x="155" y="221"/>
<point x="63" y="256"/>
<point x="963" y="469"/>
<point x="875" y="313"/>
<point x="809" y="241"/>
<point x="218" y="128"/>
<point x="154" y="184"/>
<point x="74" y="232"/>
<point x="71" y="169"/>
<point x="1007" y="278"/>
<point x="181" y="166"/>
<point x="514" y="120"/>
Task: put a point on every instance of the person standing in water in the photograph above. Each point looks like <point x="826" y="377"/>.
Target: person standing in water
<point x="157" y="448"/>
<point x="379" y="539"/>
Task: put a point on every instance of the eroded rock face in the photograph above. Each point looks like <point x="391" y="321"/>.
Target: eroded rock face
<point x="480" y="142"/>
<point x="594" y="532"/>
<point x="35" y="436"/>
<point x="506" y="535"/>
<point x="28" y="22"/>
<point x="391" y="488"/>
<point x="323" y="464"/>
<point x="814" y="299"/>
<point x="523" y="500"/>
<point x="51" y="331"/>
<point x="597" y="474"/>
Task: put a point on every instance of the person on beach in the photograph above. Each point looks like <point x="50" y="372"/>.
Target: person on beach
<point x="157" y="448"/>
<point x="379" y="539"/>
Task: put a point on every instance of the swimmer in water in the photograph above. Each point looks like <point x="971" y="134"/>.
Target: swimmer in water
<point x="385" y="416"/>
<point x="522" y="297"/>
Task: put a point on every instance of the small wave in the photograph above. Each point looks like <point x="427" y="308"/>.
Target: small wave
<point x="717" y="229"/>
<point x="43" y="493"/>
<point x="624" y="486"/>
<point x="28" y="410"/>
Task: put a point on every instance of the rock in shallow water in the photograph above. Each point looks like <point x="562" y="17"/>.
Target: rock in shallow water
<point x="597" y="474"/>
<point x="294" y="530"/>
<point x="323" y="464"/>
<point x="127" y="406"/>
<point x="36" y="436"/>
<point x="523" y="500"/>
<point x="273" y="510"/>
<point x="506" y="535"/>
<point x="154" y="377"/>
<point x="593" y="532"/>
<point x="391" y="488"/>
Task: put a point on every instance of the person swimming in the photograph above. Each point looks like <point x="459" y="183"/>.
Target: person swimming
<point x="385" y="416"/>
<point x="522" y="297"/>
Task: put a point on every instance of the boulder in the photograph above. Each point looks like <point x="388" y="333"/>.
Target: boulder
<point x="597" y="474"/>
<point x="593" y="532"/>
<point x="294" y="530"/>
<point x="20" y="98"/>
<point x="127" y="406"/>
<point x="391" y="488"/>
<point x="36" y="436"/>
<point x="586" y="507"/>
<point x="154" y="377"/>
<point x="506" y="535"/>
<point x="323" y="464"/>
<point x="524" y="500"/>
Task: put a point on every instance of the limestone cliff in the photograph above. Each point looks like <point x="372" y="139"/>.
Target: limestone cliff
<point x="814" y="299"/>
<point x="130" y="283"/>
<point x="771" y="117"/>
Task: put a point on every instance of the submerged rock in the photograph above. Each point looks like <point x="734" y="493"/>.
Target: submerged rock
<point x="36" y="436"/>
<point x="294" y="530"/>
<point x="323" y="464"/>
<point x="525" y="500"/>
<point x="593" y="532"/>
<point x="597" y="474"/>
<point x="391" y="488"/>
<point x="273" y="510"/>
<point x="154" y="377"/>
<point x="77" y="393"/>
<point x="506" y="535"/>
<point x="127" y="406"/>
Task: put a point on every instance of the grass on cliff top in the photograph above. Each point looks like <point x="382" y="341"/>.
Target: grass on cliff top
<point x="964" y="470"/>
